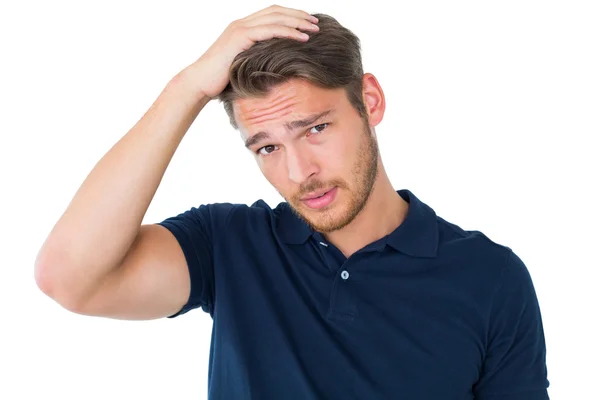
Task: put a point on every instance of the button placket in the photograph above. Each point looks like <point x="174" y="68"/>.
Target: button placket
<point x="330" y="260"/>
<point x="342" y="302"/>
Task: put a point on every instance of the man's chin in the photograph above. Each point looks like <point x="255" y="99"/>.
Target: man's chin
<point x="321" y="220"/>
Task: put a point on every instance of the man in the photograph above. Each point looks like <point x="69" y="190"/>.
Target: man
<point x="347" y="290"/>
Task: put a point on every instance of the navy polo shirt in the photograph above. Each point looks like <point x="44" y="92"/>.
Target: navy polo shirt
<point x="430" y="311"/>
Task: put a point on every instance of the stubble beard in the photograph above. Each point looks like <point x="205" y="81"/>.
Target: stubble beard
<point x="364" y="171"/>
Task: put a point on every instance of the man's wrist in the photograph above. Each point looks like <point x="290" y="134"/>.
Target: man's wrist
<point x="186" y="83"/>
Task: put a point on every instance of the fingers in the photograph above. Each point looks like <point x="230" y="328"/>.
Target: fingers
<point x="266" y="32"/>
<point x="274" y="21"/>
<point x="281" y="10"/>
<point x="277" y="18"/>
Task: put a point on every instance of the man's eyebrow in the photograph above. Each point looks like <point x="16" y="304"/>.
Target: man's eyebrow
<point x="259" y="137"/>
<point x="290" y="126"/>
<point x="303" y="123"/>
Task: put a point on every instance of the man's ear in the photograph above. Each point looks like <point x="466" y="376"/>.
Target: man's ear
<point x="373" y="99"/>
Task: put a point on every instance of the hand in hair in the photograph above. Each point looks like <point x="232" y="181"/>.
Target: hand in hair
<point x="210" y="73"/>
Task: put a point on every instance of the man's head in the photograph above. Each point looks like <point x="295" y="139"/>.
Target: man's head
<point x="306" y="111"/>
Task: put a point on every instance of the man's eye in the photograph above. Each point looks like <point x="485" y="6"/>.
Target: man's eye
<point x="318" y="128"/>
<point x="265" y="151"/>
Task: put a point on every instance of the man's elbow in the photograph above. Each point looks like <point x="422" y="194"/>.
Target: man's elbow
<point x="48" y="282"/>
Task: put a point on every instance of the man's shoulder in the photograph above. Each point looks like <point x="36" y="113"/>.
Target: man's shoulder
<point x="473" y="245"/>
<point x="452" y="233"/>
<point x="230" y="214"/>
<point x="257" y="209"/>
<point x="256" y="215"/>
<point x="488" y="262"/>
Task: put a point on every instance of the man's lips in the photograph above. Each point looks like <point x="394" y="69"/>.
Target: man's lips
<point x="315" y="194"/>
<point x="321" y="200"/>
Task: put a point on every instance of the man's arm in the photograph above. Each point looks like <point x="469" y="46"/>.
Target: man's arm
<point x="103" y="220"/>
<point x="98" y="259"/>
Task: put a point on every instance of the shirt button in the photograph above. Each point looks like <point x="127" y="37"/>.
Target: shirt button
<point x="345" y="275"/>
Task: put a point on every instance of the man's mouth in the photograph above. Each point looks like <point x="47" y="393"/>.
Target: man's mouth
<point x="320" y="199"/>
<point x="315" y="195"/>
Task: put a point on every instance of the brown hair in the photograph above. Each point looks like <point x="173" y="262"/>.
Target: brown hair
<point x="331" y="58"/>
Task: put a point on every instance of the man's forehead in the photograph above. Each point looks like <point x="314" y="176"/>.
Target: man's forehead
<point x="284" y="105"/>
<point x="280" y="96"/>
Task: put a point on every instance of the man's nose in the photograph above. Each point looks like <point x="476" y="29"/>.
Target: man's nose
<point x="300" y="166"/>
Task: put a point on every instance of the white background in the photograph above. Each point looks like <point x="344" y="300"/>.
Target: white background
<point x="493" y="116"/>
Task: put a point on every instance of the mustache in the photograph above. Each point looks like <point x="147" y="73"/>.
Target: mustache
<point x="313" y="186"/>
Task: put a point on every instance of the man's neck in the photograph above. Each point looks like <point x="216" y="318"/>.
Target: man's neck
<point x="383" y="213"/>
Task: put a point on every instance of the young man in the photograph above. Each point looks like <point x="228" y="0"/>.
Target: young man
<point x="349" y="289"/>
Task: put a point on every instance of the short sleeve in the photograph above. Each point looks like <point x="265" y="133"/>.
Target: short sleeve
<point x="515" y="362"/>
<point x="198" y="230"/>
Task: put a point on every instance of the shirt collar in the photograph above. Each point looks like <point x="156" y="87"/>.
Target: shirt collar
<point x="416" y="236"/>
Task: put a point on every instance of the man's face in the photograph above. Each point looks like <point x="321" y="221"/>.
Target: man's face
<point x="308" y="140"/>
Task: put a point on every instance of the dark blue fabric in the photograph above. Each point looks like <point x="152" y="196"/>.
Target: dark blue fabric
<point x="430" y="311"/>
